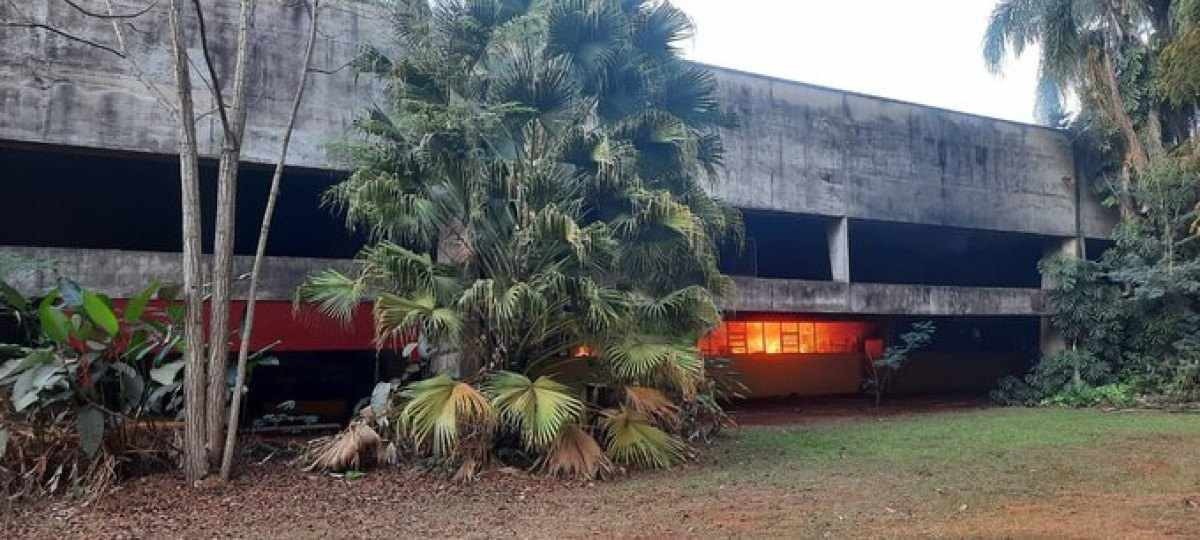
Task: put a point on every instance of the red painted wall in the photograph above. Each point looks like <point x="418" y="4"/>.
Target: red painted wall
<point x="303" y="329"/>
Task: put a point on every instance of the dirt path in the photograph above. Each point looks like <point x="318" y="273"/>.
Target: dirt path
<point x="1144" y="486"/>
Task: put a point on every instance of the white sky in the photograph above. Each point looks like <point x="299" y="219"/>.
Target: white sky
<point x="924" y="51"/>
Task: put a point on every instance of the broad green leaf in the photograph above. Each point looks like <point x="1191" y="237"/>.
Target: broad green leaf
<point x="24" y="388"/>
<point x="166" y="373"/>
<point x="47" y="375"/>
<point x="137" y="304"/>
<point x="90" y="424"/>
<point x="98" y="311"/>
<point x="24" y="401"/>
<point x="132" y="385"/>
<point x="54" y="322"/>
<point x="13" y="298"/>
<point x="18" y="365"/>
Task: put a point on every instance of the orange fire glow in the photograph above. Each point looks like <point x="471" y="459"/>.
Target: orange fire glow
<point x="785" y="337"/>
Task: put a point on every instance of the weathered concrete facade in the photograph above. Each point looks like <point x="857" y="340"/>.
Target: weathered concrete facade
<point x="799" y="149"/>
<point x="60" y="92"/>
<point x="813" y="150"/>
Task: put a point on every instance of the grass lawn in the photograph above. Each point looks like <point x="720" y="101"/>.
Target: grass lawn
<point x="978" y="473"/>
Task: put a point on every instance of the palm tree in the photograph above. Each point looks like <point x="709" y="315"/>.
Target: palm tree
<point x="1082" y="45"/>
<point x="535" y="187"/>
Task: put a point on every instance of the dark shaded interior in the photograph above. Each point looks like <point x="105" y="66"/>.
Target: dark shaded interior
<point x="968" y="354"/>
<point x="902" y="253"/>
<point x="781" y="246"/>
<point x="325" y="384"/>
<point x="121" y="201"/>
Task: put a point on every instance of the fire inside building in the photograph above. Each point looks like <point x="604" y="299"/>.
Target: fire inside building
<point x="863" y="214"/>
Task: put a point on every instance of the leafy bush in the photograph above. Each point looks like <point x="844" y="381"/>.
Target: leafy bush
<point x="81" y="386"/>
<point x="881" y="371"/>
<point x="1112" y="395"/>
<point x="1132" y="318"/>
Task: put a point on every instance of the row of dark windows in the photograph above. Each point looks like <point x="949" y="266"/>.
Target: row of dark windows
<point x="75" y="198"/>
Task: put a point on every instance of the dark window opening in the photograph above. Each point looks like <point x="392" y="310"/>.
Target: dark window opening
<point x="780" y="246"/>
<point x="324" y="385"/>
<point x="85" y="199"/>
<point x="902" y="253"/>
<point x="1096" y="248"/>
<point x="967" y="354"/>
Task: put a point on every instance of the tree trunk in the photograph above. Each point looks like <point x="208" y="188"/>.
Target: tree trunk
<point x="264" y="231"/>
<point x="222" y="265"/>
<point x="1109" y="98"/>
<point x="195" y="463"/>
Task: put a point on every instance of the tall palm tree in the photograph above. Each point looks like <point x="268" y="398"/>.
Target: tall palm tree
<point x="535" y="185"/>
<point x="1082" y="43"/>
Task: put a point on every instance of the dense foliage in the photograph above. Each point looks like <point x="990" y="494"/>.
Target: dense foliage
<point x="1128" y="320"/>
<point x="84" y="376"/>
<point x="535" y="187"/>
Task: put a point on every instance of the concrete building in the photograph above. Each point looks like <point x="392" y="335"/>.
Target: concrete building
<point x="862" y="213"/>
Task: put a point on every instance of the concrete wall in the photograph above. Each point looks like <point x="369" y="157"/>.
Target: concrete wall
<point x="121" y="274"/>
<point x="802" y="296"/>
<point x="56" y="91"/>
<point x="814" y="150"/>
<point x="799" y="148"/>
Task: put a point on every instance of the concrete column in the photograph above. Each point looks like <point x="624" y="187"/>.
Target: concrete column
<point x="838" y="234"/>
<point x="1051" y="340"/>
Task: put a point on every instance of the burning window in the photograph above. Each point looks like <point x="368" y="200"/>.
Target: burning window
<point x="785" y="337"/>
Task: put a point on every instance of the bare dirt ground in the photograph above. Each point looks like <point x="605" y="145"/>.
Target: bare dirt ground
<point x="1138" y="479"/>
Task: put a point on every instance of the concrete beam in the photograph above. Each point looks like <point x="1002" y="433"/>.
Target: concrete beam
<point x="802" y="296"/>
<point x="121" y="274"/>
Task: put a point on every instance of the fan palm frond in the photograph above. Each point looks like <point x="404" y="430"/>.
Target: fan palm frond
<point x="439" y="409"/>
<point x="354" y="447"/>
<point x="398" y="316"/>
<point x="335" y="294"/>
<point x="660" y="27"/>
<point x="538" y="410"/>
<point x="653" y="404"/>
<point x="575" y="454"/>
<point x="587" y="34"/>
<point x="631" y="439"/>
<point x="690" y="94"/>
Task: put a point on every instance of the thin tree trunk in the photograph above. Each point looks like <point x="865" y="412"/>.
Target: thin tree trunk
<point x="1136" y="157"/>
<point x="195" y="462"/>
<point x="222" y="265"/>
<point x="235" y="404"/>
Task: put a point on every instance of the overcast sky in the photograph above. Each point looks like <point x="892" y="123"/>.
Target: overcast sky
<point x="924" y="51"/>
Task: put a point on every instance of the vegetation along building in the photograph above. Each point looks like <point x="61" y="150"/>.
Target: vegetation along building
<point x="862" y="214"/>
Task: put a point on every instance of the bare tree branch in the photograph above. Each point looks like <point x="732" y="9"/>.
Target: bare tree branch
<point x="332" y="71"/>
<point x="212" y="73"/>
<point x="133" y="63"/>
<point x="110" y="14"/>
<point x="72" y="37"/>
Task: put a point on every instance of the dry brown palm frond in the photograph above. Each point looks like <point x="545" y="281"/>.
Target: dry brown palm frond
<point x="576" y="454"/>
<point x="474" y="451"/>
<point x="652" y="403"/>
<point x="355" y="446"/>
